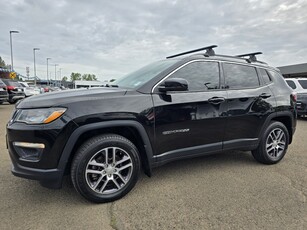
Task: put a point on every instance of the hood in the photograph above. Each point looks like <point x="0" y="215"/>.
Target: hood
<point x="62" y="98"/>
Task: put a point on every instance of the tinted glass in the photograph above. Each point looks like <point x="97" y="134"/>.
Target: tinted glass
<point x="303" y="83"/>
<point x="275" y="74"/>
<point x="201" y="76"/>
<point x="240" y="76"/>
<point x="266" y="78"/>
<point x="143" y="75"/>
<point x="291" y="84"/>
<point x="11" y="83"/>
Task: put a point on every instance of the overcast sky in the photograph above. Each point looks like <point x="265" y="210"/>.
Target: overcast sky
<point x="111" y="38"/>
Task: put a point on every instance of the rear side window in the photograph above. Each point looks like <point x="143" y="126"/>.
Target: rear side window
<point x="303" y="83"/>
<point x="291" y="84"/>
<point x="240" y="76"/>
<point x="266" y="78"/>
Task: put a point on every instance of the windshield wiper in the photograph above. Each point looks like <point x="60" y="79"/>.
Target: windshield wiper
<point x="107" y="85"/>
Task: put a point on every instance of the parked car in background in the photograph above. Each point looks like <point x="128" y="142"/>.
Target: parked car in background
<point x="4" y="96"/>
<point x="29" y="90"/>
<point x="14" y="89"/>
<point x="299" y="85"/>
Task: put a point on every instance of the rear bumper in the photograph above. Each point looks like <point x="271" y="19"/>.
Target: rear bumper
<point x="4" y="96"/>
<point x="16" y="97"/>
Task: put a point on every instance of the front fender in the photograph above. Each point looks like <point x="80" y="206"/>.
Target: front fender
<point x="106" y="124"/>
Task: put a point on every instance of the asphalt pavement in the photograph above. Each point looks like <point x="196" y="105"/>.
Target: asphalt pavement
<point x="223" y="191"/>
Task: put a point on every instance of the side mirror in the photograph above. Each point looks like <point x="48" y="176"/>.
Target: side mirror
<point x="174" y="84"/>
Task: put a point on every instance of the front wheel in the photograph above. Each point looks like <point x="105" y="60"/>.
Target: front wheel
<point x="105" y="168"/>
<point x="273" y="144"/>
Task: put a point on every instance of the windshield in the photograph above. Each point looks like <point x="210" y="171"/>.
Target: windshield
<point x="143" y="75"/>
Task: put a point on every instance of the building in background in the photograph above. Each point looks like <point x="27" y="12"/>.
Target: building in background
<point x="294" y="71"/>
<point x="88" y="84"/>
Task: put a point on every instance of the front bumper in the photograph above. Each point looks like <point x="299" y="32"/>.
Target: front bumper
<point x="50" y="178"/>
<point x="46" y="166"/>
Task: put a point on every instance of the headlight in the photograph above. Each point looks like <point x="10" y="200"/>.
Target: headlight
<point x="39" y="116"/>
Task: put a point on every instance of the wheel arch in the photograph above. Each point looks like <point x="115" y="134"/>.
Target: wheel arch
<point x="284" y="117"/>
<point x="131" y="130"/>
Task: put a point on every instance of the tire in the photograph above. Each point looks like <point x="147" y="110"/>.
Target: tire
<point x="12" y="102"/>
<point x="98" y="176"/>
<point x="273" y="144"/>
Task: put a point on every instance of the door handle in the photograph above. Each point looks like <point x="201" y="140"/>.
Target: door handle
<point x="216" y="100"/>
<point x="264" y="95"/>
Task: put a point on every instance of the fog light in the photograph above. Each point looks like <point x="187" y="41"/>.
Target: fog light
<point x="29" y="151"/>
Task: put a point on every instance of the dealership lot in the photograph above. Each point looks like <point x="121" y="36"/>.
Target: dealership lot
<point x="224" y="191"/>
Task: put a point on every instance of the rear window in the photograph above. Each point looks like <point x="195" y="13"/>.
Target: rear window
<point x="303" y="83"/>
<point x="11" y="83"/>
<point x="291" y="84"/>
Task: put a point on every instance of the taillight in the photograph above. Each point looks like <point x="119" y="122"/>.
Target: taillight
<point x="10" y="87"/>
<point x="294" y="96"/>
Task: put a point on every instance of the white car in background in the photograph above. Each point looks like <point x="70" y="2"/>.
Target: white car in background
<point x="29" y="90"/>
<point x="299" y="85"/>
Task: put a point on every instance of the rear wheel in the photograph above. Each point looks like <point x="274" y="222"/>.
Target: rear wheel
<point x="273" y="144"/>
<point x="105" y="168"/>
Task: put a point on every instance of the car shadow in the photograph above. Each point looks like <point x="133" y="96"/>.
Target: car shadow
<point x="231" y="159"/>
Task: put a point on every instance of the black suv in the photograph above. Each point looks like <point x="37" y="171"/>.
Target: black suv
<point x="169" y="110"/>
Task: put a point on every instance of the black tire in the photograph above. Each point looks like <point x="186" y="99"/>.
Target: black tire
<point x="12" y="102"/>
<point x="271" y="150"/>
<point x="112" y="176"/>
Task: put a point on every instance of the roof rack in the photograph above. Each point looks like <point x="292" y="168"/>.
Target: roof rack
<point x="209" y="51"/>
<point x="252" y="56"/>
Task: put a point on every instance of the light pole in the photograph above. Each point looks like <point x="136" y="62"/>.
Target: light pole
<point x="47" y="71"/>
<point x="60" y="74"/>
<point x="34" y="49"/>
<point x="11" y="44"/>
<point x="55" y="65"/>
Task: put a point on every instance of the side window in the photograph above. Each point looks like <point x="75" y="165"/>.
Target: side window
<point x="303" y="83"/>
<point x="240" y="76"/>
<point x="201" y="76"/>
<point x="291" y="84"/>
<point x="266" y="78"/>
<point x="275" y="74"/>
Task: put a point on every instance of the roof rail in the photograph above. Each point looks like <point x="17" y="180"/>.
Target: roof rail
<point x="252" y="56"/>
<point x="209" y="51"/>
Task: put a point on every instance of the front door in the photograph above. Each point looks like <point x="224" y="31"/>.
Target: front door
<point x="190" y="122"/>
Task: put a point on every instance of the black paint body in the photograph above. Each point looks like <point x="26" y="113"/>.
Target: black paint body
<point x="165" y="126"/>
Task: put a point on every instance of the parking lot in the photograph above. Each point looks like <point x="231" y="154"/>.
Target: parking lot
<point x="224" y="191"/>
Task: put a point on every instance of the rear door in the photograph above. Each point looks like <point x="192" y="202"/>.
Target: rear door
<point x="249" y="103"/>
